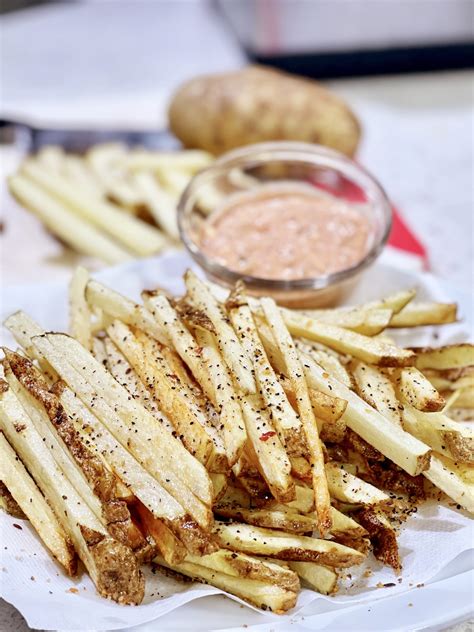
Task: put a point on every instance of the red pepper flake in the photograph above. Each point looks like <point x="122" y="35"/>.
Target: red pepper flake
<point x="267" y="435"/>
<point x="17" y="526"/>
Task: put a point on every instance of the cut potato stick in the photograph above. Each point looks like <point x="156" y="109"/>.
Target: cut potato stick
<point x="329" y="362"/>
<point x="23" y="329"/>
<point x="98" y="350"/>
<point x="417" y="391"/>
<point x="377" y="390"/>
<point x="451" y="379"/>
<point x="135" y="235"/>
<point x="52" y="157"/>
<point x="231" y="349"/>
<point x="445" y="436"/>
<point x="111" y="565"/>
<point x="248" y="567"/>
<point x="79" y="312"/>
<point x="226" y="398"/>
<point x="382" y="536"/>
<point x="406" y="451"/>
<point x="162" y="455"/>
<point x="168" y="544"/>
<point x="75" y="231"/>
<point x="160" y="203"/>
<point x="173" y="181"/>
<point x="296" y="375"/>
<point x="191" y="160"/>
<point x="396" y="302"/>
<point x="465" y="398"/>
<point x="32" y="502"/>
<point x="348" y="488"/>
<point x="117" y="306"/>
<point x="368" y="322"/>
<point x="291" y="522"/>
<point x="262" y="594"/>
<point x="442" y="474"/>
<point x="283" y="415"/>
<point x="418" y="314"/>
<point x="367" y="349"/>
<point x="273" y="543"/>
<point x="448" y="357"/>
<point x="322" y="579"/>
<point x="78" y="171"/>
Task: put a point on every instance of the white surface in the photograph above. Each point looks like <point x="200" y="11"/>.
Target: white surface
<point x="434" y="527"/>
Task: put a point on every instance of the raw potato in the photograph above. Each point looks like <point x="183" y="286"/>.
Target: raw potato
<point x="220" y="112"/>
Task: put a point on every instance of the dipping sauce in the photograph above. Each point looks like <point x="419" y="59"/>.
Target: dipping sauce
<point x="286" y="232"/>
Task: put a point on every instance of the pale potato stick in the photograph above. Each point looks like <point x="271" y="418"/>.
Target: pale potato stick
<point x="364" y="348"/>
<point x="369" y="322"/>
<point x="448" y="357"/>
<point x="23" y="328"/>
<point x="231" y="349"/>
<point x="173" y="181"/>
<point x="248" y="567"/>
<point x="230" y="412"/>
<point x="394" y="443"/>
<point x="445" y="436"/>
<point x="135" y="235"/>
<point x="465" y="398"/>
<point x="52" y="157"/>
<point x="322" y="579"/>
<point x="219" y="484"/>
<point x="235" y="496"/>
<point x="98" y="350"/>
<point x="125" y="375"/>
<point x="288" y="521"/>
<point x="104" y="557"/>
<point x="377" y="390"/>
<point x="75" y="231"/>
<point x="296" y="375"/>
<point x="301" y="468"/>
<point x="79" y="311"/>
<point x="182" y="341"/>
<point x="451" y="379"/>
<point x="396" y="302"/>
<point x="445" y="477"/>
<point x="273" y="462"/>
<point x="163" y="456"/>
<point x="76" y="169"/>
<point x="262" y="594"/>
<point x="32" y="502"/>
<point x="296" y="548"/>
<point x="161" y="204"/>
<point x="190" y="160"/>
<point x="418" y="314"/>
<point x="170" y="547"/>
<point x="415" y="389"/>
<point x="330" y="363"/>
<point x="348" y="488"/>
<point x="122" y="308"/>
<point x="283" y="415"/>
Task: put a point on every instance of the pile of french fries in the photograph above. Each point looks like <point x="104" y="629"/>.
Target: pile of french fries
<point x="112" y="203"/>
<point x="234" y="442"/>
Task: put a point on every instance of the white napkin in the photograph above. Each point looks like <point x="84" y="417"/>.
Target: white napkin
<point x="34" y="584"/>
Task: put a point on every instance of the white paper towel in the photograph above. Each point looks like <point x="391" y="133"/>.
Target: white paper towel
<point x="34" y="584"/>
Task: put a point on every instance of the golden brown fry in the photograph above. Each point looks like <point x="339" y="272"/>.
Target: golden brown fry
<point x="448" y="357"/>
<point x="348" y="488"/>
<point x="419" y="314"/>
<point x="444" y="474"/>
<point x="377" y="390"/>
<point x="416" y="390"/>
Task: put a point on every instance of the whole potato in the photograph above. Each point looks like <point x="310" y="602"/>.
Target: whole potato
<point x="220" y="112"/>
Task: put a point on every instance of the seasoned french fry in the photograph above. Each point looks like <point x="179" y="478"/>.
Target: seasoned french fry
<point x="168" y="544"/>
<point x="191" y="160"/>
<point x="273" y="543"/>
<point x="451" y="379"/>
<point x="329" y="362"/>
<point x="447" y="357"/>
<point x="396" y="302"/>
<point x="382" y="536"/>
<point x="32" y="502"/>
<point x="348" y="488"/>
<point x="322" y="579"/>
<point x="368" y="322"/>
<point x="160" y="203"/>
<point x="111" y="565"/>
<point x="291" y="522"/>
<point x="377" y="390"/>
<point x="444" y="475"/>
<point x="296" y="375"/>
<point x="79" y="312"/>
<point x="418" y="314"/>
<point x="417" y="391"/>
<point x="75" y="231"/>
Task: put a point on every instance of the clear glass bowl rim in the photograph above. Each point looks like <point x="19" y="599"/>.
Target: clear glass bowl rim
<point x="286" y="151"/>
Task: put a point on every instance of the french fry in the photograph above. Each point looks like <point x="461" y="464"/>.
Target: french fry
<point x="419" y="314"/>
<point x="451" y="379"/>
<point x="111" y="565"/>
<point x="377" y="390"/>
<point x="382" y="536"/>
<point x="273" y="543"/>
<point x="329" y="362"/>
<point x="348" y="488"/>
<point x="262" y="594"/>
<point x="226" y="398"/>
<point x="448" y="357"/>
<point x="23" y="328"/>
<point x="368" y="322"/>
<point x="322" y="579"/>
<point x="79" y="312"/>
<point x="444" y="474"/>
<point x="465" y="398"/>
<point x="296" y="375"/>
<point x="75" y="231"/>
<point x="417" y="391"/>
<point x="78" y="171"/>
<point x="168" y="544"/>
<point x="397" y="445"/>
<point x="32" y="502"/>
<point x="191" y="160"/>
<point x="231" y="349"/>
<point x="291" y="522"/>
<point x="248" y="567"/>
<point x="396" y="302"/>
<point x="122" y="308"/>
<point x="162" y="455"/>
<point x="135" y="235"/>
<point x="367" y="349"/>
<point x="444" y="435"/>
<point x="52" y="157"/>
<point x="161" y="204"/>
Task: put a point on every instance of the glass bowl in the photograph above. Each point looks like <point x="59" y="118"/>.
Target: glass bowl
<point x="259" y="165"/>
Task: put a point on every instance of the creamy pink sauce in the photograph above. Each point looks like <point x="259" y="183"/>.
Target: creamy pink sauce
<point x="286" y="233"/>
